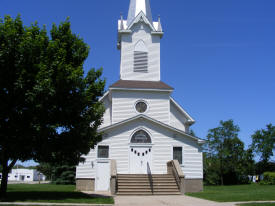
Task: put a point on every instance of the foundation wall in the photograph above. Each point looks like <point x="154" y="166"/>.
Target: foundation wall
<point x="193" y="185"/>
<point x="85" y="184"/>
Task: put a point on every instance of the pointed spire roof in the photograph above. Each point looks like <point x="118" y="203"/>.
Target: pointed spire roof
<point x="136" y="6"/>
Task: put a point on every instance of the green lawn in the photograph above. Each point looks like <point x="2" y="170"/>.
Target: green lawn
<point x="258" y="204"/>
<point x="237" y="193"/>
<point x="52" y="194"/>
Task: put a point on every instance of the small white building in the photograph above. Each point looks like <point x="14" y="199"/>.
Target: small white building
<point x="145" y="131"/>
<point x="25" y="175"/>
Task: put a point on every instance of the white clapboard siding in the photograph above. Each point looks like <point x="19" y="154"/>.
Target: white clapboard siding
<point x="177" y="119"/>
<point x="142" y="32"/>
<point x="87" y="169"/>
<point x="107" y="114"/>
<point x="123" y="105"/>
<point x="163" y="141"/>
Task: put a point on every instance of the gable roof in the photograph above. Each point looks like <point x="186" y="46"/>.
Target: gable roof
<point x="150" y="85"/>
<point x="142" y="116"/>
<point x="190" y="119"/>
<point x="137" y="6"/>
<point x="141" y="17"/>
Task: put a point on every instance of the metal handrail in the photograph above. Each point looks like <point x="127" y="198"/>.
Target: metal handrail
<point x="150" y="177"/>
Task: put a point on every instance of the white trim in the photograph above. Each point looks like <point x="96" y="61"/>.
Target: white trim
<point x="190" y="119"/>
<point x="147" y="106"/>
<point x="141" y="116"/>
<point x="182" y="153"/>
<point x="104" y="95"/>
<point x="136" y="130"/>
<point x="145" y="20"/>
<point x="141" y="89"/>
<point x="98" y="161"/>
<point x="98" y="158"/>
<point x="131" y="146"/>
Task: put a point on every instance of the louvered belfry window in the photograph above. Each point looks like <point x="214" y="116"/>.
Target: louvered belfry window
<point x="140" y="57"/>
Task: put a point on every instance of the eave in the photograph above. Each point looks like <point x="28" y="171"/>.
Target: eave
<point x="141" y="117"/>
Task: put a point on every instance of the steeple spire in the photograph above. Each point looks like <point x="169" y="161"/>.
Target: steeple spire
<point x="136" y="6"/>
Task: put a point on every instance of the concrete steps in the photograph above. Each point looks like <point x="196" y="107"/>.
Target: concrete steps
<point x="135" y="184"/>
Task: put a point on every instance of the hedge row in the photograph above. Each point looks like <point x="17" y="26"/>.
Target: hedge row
<point x="269" y="178"/>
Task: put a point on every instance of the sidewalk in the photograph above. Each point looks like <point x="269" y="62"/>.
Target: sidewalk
<point x="51" y="204"/>
<point x="146" y="201"/>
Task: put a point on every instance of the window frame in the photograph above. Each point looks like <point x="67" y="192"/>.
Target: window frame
<point x="182" y="148"/>
<point x="144" y="101"/>
<point x="97" y="152"/>
<point x="140" y="143"/>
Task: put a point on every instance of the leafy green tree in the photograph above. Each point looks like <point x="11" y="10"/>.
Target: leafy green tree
<point x="216" y="140"/>
<point x="263" y="166"/>
<point x="49" y="109"/>
<point x="225" y="157"/>
<point x="46" y="169"/>
<point x="263" y="142"/>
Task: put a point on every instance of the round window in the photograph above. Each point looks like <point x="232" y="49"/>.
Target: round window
<point x="141" y="107"/>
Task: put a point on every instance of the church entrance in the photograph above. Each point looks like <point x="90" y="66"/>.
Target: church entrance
<point x="140" y="157"/>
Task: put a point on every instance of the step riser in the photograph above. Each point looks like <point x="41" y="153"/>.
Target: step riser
<point x="143" y="185"/>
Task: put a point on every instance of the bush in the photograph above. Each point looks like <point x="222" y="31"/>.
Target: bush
<point x="269" y="178"/>
<point x="64" y="175"/>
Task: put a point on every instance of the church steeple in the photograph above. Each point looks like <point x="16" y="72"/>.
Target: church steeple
<point x="139" y="43"/>
<point x="136" y="6"/>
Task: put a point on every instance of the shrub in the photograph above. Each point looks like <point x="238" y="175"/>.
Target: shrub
<point x="269" y="178"/>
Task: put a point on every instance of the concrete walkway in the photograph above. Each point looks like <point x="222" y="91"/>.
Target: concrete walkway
<point x="168" y="201"/>
<point x="50" y="204"/>
<point x="146" y="201"/>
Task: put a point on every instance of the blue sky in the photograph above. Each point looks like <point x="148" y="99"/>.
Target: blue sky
<point x="219" y="55"/>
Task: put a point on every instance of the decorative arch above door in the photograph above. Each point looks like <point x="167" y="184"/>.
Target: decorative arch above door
<point x="141" y="137"/>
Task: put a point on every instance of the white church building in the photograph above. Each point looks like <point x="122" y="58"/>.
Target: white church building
<point x="146" y="147"/>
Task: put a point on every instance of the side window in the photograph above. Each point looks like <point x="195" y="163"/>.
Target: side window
<point x="140" y="57"/>
<point x="177" y="154"/>
<point x="103" y="152"/>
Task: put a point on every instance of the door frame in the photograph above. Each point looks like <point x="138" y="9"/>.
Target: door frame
<point x="98" y="161"/>
<point x="149" y="145"/>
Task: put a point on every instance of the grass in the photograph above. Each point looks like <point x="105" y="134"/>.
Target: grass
<point x="237" y="193"/>
<point x="49" y="193"/>
<point x="258" y="204"/>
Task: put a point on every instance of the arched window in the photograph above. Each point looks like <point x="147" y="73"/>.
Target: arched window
<point x="140" y="57"/>
<point x="141" y="137"/>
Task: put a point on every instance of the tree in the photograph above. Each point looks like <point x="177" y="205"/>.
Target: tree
<point x="225" y="155"/>
<point x="216" y="143"/>
<point x="192" y="132"/>
<point x="49" y="109"/>
<point x="64" y="174"/>
<point x="46" y="169"/>
<point x="263" y="142"/>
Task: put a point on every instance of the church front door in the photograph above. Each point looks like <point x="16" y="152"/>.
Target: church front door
<point x="140" y="159"/>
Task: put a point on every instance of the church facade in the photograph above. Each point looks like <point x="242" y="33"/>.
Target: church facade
<point x="143" y="128"/>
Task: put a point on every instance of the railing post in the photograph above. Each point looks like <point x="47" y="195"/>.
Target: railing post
<point x="113" y="179"/>
<point x="173" y="167"/>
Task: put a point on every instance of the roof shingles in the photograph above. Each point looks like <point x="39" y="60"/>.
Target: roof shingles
<point x="131" y="84"/>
